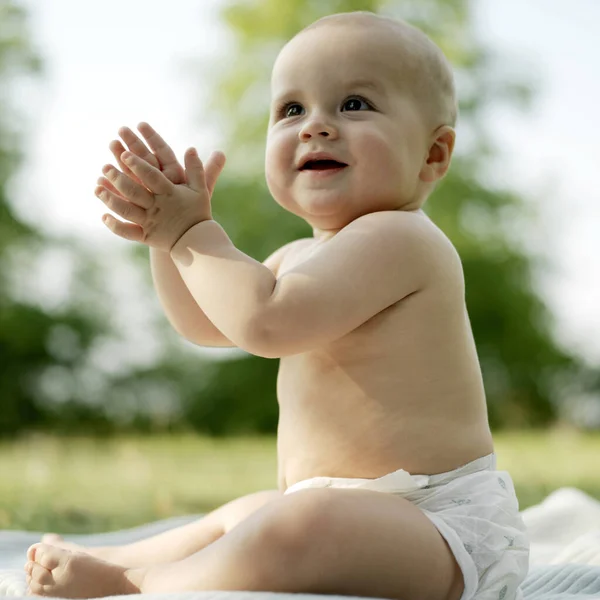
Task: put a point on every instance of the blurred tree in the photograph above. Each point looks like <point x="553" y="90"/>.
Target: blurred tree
<point x="50" y="371"/>
<point x="512" y="325"/>
<point x="51" y="348"/>
<point x="33" y="339"/>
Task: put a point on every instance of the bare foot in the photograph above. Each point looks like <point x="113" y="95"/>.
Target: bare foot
<point x="107" y="553"/>
<point x="54" y="539"/>
<point x="53" y="571"/>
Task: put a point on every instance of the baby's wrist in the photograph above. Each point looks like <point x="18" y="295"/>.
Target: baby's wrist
<point x="188" y="230"/>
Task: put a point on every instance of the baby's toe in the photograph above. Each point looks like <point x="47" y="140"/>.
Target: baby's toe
<point x="31" y="553"/>
<point x="35" y="589"/>
<point x="40" y="576"/>
<point x="48" y="556"/>
<point x="52" y="538"/>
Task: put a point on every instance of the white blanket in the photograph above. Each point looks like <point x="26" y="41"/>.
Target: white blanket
<point x="565" y="553"/>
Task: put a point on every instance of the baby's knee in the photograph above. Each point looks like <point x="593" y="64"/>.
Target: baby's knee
<point x="236" y="511"/>
<point x="294" y="522"/>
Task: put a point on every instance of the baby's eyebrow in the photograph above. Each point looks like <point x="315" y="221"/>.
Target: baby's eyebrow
<point x="351" y="85"/>
<point x="365" y="83"/>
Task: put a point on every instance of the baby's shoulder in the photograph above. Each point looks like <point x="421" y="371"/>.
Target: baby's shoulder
<point x="429" y="249"/>
<point x="414" y="228"/>
<point x="275" y="262"/>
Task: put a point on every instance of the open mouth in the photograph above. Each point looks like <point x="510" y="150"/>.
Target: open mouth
<point x="322" y="165"/>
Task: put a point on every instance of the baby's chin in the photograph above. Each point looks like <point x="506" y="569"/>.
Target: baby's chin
<point x="330" y="209"/>
<point x="324" y="211"/>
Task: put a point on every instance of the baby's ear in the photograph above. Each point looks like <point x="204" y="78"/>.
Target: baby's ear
<point x="437" y="162"/>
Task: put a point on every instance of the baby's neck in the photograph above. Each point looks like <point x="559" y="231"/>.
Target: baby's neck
<point x="323" y="235"/>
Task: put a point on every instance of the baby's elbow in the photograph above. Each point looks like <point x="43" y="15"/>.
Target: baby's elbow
<point x="270" y="341"/>
<point x="258" y="341"/>
<point x="269" y="351"/>
<point x="263" y="352"/>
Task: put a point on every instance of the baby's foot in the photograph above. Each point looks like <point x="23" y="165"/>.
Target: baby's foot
<point x="106" y="553"/>
<point x="54" y="539"/>
<point x="53" y="571"/>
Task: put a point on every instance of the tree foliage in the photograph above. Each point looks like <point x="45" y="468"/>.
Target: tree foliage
<point x="47" y="351"/>
<point x="50" y="353"/>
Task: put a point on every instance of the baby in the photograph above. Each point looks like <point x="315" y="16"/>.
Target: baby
<point x="387" y="474"/>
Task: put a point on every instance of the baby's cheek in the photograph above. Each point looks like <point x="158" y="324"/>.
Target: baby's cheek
<point x="273" y="183"/>
<point x="384" y="161"/>
<point x="278" y="157"/>
<point x="276" y="176"/>
<point x="281" y="144"/>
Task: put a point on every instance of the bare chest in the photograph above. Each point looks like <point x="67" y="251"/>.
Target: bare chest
<point x="374" y="350"/>
<point x="363" y="374"/>
<point x="406" y="372"/>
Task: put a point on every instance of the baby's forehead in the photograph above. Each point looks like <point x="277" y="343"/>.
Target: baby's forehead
<point x="343" y="50"/>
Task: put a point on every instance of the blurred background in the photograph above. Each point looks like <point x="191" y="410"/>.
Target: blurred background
<point x="107" y="418"/>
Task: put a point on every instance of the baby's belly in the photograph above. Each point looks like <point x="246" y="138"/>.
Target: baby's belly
<point x="354" y="443"/>
<point x="328" y="427"/>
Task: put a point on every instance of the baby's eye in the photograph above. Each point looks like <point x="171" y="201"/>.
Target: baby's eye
<point x="291" y="110"/>
<point x="355" y="103"/>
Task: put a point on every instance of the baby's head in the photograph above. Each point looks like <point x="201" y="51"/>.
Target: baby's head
<point x="371" y="92"/>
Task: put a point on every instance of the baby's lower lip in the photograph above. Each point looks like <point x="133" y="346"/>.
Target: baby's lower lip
<point x="323" y="172"/>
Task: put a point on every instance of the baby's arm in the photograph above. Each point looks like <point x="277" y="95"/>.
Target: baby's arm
<point x="181" y="310"/>
<point x="375" y="261"/>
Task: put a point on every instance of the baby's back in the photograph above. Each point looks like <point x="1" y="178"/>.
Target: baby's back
<point x="402" y="391"/>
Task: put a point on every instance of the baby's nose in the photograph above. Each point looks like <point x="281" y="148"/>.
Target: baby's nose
<point x="316" y="128"/>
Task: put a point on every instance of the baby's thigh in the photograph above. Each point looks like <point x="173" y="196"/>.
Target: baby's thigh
<point x="231" y="514"/>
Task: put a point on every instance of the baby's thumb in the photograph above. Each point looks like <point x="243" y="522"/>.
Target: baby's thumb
<point x="200" y="177"/>
<point x="214" y="166"/>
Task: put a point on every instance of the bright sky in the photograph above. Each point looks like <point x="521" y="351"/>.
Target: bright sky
<point x="117" y="62"/>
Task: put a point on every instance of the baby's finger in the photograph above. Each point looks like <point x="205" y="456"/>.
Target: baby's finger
<point x="151" y="177"/>
<point x="138" y="147"/>
<point x="169" y="164"/>
<point x="129" y="189"/>
<point x="213" y="168"/>
<point x="108" y="185"/>
<point x="194" y="170"/>
<point x="117" y="149"/>
<point x="125" y="209"/>
<point x="127" y="231"/>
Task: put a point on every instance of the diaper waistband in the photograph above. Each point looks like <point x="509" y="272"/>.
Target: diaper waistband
<point x="483" y="463"/>
<point x="398" y="481"/>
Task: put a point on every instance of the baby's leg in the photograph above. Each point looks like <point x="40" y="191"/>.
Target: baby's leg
<point x="178" y="543"/>
<point x="322" y="541"/>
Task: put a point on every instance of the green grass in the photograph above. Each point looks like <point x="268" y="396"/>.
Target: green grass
<point x="540" y="463"/>
<point x="84" y="485"/>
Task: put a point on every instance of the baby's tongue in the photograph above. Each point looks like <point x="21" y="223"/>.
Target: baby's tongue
<point x="326" y="164"/>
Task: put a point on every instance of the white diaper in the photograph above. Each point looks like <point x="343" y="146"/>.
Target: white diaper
<point x="475" y="509"/>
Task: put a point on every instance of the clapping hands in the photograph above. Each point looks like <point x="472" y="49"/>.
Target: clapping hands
<point x="158" y="198"/>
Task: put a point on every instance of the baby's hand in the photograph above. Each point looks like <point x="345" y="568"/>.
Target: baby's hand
<point x="163" y="158"/>
<point x="154" y="193"/>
